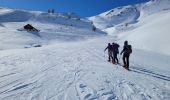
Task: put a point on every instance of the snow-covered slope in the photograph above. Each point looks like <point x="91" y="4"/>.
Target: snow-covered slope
<point x="71" y="64"/>
<point x="53" y="27"/>
<point x="122" y="17"/>
<point x="80" y="71"/>
<point x="128" y="14"/>
<point x="10" y="15"/>
<point x="153" y="34"/>
<point x="145" y="25"/>
<point x="153" y="6"/>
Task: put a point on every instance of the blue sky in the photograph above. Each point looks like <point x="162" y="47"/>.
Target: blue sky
<point x="83" y="8"/>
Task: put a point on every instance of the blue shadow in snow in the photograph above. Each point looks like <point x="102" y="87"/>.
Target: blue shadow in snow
<point x="35" y="33"/>
<point x="149" y="73"/>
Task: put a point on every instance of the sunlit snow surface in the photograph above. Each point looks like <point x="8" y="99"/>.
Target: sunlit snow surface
<point x="71" y="63"/>
<point x="145" y="25"/>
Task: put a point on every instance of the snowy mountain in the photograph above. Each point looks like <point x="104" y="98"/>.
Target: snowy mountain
<point x="129" y="14"/>
<point x="144" y="25"/>
<point x="70" y="63"/>
<point x="151" y="34"/>
<point x="53" y="27"/>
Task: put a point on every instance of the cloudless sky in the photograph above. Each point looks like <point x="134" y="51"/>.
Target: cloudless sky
<point x="83" y="8"/>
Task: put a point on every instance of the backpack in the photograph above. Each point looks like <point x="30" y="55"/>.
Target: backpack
<point x="116" y="48"/>
<point x="128" y="49"/>
<point x="110" y="47"/>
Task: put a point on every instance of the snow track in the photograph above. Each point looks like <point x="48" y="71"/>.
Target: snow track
<point x="77" y="71"/>
<point x="70" y="63"/>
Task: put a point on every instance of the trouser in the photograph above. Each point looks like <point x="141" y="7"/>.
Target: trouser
<point x="115" y="59"/>
<point x="126" y="60"/>
<point x="110" y="57"/>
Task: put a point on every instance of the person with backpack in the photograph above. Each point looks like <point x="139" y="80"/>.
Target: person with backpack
<point x="109" y="48"/>
<point x="115" y="47"/>
<point x="127" y="50"/>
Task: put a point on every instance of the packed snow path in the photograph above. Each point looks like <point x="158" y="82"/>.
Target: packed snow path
<point x="80" y="71"/>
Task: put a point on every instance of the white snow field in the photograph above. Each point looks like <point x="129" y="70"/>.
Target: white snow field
<point x="53" y="27"/>
<point x="152" y="33"/>
<point x="123" y="17"/>
<point x="80" y="71"/>
<point x="145" y="25"/>
<point x="66" y="59"/>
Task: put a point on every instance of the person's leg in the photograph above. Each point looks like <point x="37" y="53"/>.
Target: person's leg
<point x="117" y="61"/>
<point x="124" y="58"/>
<point x="127" y="61"/>
<point x="113" y="57"/>
<point x="110" y="55"/>
<point x="113" y="61"/>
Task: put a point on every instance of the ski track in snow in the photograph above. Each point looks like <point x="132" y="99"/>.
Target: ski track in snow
<point x="71" y="64"/>
<point x="77" y="72"/>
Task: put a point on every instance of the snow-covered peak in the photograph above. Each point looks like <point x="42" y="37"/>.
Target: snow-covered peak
<point x="129" y="14"/>
<point x="79" y="70"/>
<point x="11" y="15"/>
<point x="153" y="6"/>
<point x="117" y="16"/>
<point x="145" y="25"/>
<point x="152" y="35"/>
<point x="53" y="27"/>
<point x="4" y="10"/>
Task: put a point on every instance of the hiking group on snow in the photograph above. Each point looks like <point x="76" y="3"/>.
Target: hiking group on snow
<point x="113" y="51"/>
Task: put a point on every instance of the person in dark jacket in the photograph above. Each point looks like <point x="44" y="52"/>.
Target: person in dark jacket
<point x="115" y="47"/>
<point x="109" y="48"/>
<point x="127" y="50"/>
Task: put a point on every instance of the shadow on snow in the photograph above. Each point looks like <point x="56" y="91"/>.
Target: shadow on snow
<point x="149" y="73"/>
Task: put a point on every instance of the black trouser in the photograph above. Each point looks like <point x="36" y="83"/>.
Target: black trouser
<point x="115" y="59"/>
<point x="110" y="57"/>
<point x="126" y="60"/>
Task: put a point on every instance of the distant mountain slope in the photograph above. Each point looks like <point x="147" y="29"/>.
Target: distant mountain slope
<point x="53" y="27"/>
<point x="122" y="17"/>
<point x="71" y="63"/>
<point x="12" y="15"/>
<point x="152" y="35"/>
<point x="145" y="25"/>
<point x="128" y="14"/>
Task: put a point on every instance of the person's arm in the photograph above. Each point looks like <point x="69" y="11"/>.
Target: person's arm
<point x="106" y="48"/>
<point x="122" y="50"/>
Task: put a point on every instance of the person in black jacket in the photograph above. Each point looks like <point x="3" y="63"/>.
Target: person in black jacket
<point x="127" y="50"/>
<point x="115" y="47"/>
<point x="109" y="47"/>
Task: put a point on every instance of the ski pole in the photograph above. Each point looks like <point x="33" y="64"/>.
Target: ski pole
<point x="104" y="55"/>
